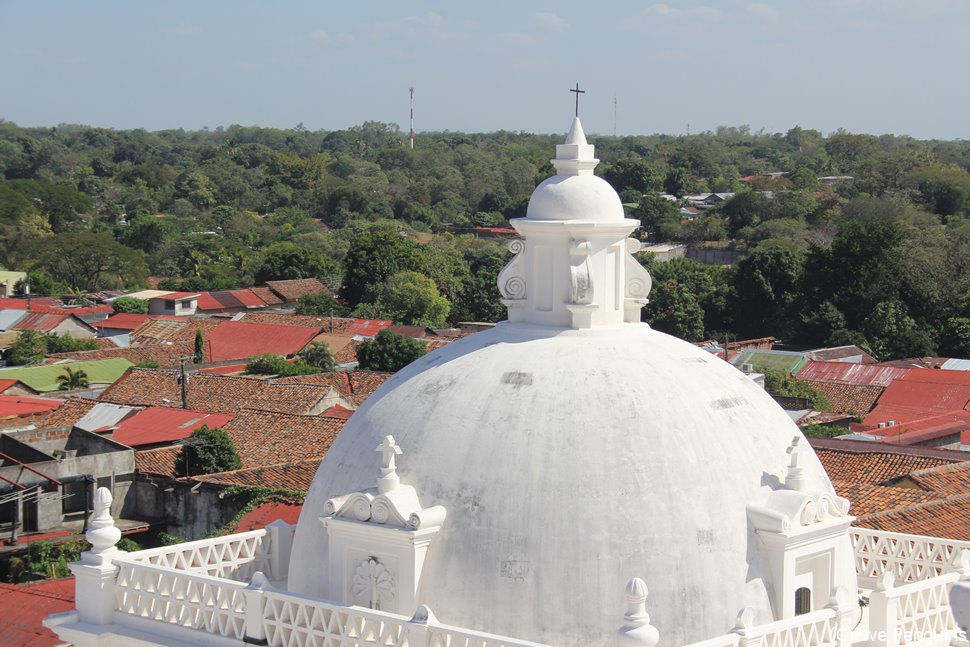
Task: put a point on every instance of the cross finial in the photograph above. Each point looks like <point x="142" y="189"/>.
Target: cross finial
<point x="389" y="449"/>
<point x="578" y="92"/>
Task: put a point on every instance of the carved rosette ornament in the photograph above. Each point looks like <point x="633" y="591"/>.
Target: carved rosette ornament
<point x="373" y="586"/>
<point x="638" y="283"/>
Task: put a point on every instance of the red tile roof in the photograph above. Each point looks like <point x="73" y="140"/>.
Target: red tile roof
<point x="240" y="340"/>
<point x="867" y="498"/>
<point x="337" y="411"/>
<point x="947" y="480"/>
<point x="122" y="321"/>
<point x="69" y="413"/>
<point x="16" y="406"/>
<point x="295" y="289"/>
<point x="865" y="462"/>
<point x="297" y="476"/>
<point x="267" y="296"/>
<point x="26" y="605"/>
<point x="164" y="424"/>
<point x="160" y="461"/>
<point x="355" y="386"/>
<point x="340" y="324"/>
<point x="262" y="438"/>
<point x="855" y="399"/>
<point x="845" y="373"/>
<point x="213" y="392"/>
<point x="266" y="513"/>
<point x="166" y="354"/>
<point x="947" y="518"/>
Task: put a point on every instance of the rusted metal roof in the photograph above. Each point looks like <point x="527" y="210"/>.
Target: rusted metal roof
<point x="858" y="374"/>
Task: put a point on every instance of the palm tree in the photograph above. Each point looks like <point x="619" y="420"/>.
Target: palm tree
<point x="72" y="380"/>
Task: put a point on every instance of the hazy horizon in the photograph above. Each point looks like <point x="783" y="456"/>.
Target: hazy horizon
<point x="865" y="66"/>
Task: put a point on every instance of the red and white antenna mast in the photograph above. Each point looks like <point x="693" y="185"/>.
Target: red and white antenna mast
<point x="412" y="118"/>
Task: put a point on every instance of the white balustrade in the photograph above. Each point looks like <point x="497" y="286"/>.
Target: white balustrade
<point x="184" y="599"/>
<point x="816" y="629"/>
<point x="917" y="613"/>
<point x="235" y="557"/>
<point x="910" y="558"/>
<point x="726" y="640"/>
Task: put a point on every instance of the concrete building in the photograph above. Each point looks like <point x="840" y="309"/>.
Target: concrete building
<point x="48" y="476"/>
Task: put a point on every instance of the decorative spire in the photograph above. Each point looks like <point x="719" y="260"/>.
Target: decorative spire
<point x="795" y="480"/>
<point x="389" y="479"/>
<point x="575" y="157"/>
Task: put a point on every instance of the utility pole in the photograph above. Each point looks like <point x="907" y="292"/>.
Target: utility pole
<point x="614" y="115"/>
<point x="183" y="379"/>
<point x="412" y="117"/>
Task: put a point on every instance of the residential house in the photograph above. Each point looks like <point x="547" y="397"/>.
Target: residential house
<point x="8" y="281"/>
<point x="179" y="304"/>
<point x="292" y="291"/>
<point x="240" y="340"/>
<point x="229" y="302"/>
<point x="58" y="324"/>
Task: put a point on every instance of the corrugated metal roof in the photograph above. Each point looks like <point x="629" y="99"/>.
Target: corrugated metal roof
<point x="26" y="606"/>
<point x="10" y="317"/>
<point x="779" y="360"/>
<point x="44" y="378"/>
<point x="240" y="340"/>
<point x="40" y="322"/>
<point x="367" y="327"/>
<point x="248" y="298"/>
<point x="858" y="374"/>
<point x="956" y="365"/>
<point x="12" y="406"/>
<point x="104" y="414"/>
<point x="122" y="321"/>
<point x="164" y="424"/>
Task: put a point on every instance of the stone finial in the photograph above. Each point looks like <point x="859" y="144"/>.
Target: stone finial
<point x="886" y="581"/>
<point x="795" y="480"/>
<point x="389" y="479"/>
<point x="102" y="533"/>
<point x="637" y="630"/>
<point x="423" y="615"/>
<point x="962" y="563"/>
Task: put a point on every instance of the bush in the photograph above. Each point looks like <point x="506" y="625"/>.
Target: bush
<point x="389" y="351"/>
<point x="319" y="356"/>
<point x="207" y="451"/>
<point x="276" y="365"/>
<point x="781" y="383"/>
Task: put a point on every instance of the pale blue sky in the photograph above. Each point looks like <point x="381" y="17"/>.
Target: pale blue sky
<point x="877" y="66"/>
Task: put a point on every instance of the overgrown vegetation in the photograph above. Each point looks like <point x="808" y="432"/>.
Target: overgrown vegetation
<point x="31" y="347"/>
<point x="207" y="451"/>
<point x="279" y="366"/>
<point x="389" y="351"/>
<point x="783" y="384"/>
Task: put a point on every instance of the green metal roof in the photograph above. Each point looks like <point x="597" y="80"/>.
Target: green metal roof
<point x="788" y="362"/>
<point x="44" y="378"/>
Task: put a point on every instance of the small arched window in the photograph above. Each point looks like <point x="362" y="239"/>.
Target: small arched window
<point x="803" y="600"/>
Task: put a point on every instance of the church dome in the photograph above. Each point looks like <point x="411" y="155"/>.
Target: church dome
<point x="570" y="458"/>
<point x="574" y="193"/>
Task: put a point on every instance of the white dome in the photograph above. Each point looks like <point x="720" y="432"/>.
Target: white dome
<point x="570" y="461"/>
<point x="575" y="197"/>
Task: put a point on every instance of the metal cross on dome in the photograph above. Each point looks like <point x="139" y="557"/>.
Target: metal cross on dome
<point x="388" y="449"/>
<point x="578" y="92"/>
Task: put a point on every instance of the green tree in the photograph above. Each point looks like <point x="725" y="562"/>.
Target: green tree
<point x="746" y="209"/>
<point x="654" y="212"/>
<point x="207" y="451"/>
<point x="130" y="304"/>
<point x="72" y="380"/>
<point x="413" y="299"/>
<point x="318" y="355"/>
<point x="279" y="366"/>
<point x="632" y="174"/>
<point x="673" y="309"/>
<point x="783" y="384"/>
<point x="389" y="351"/>
<point x="373" y="257"/>
<point x="286" y="260"/>
<point x="30" y="347"/>
<point x="321" y="305"/>
<point x="199" y="347"/>
<point x="88" y="261"/>
<point x="767" y="283"/>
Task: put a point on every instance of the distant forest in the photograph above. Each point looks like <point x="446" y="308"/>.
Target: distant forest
<point x="882" y="260"/>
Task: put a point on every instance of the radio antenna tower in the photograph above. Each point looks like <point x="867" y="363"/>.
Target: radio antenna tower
<point x="411" y="135"/>
<point x="614" y="115"/>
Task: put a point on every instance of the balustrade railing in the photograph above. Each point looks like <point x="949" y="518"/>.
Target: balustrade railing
<point x="235" y="557"/>
<point x="917" y="613"/>
<point x="181" y="598"/>
<point x="911" y="558"/>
